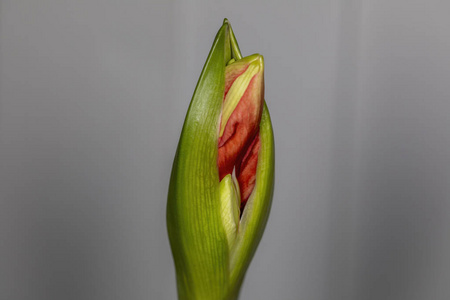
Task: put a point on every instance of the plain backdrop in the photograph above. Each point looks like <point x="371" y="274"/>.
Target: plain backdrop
<point x="92" y="99"/>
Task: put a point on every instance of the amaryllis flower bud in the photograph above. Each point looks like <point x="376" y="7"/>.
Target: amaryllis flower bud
<point x="222" y="178"/>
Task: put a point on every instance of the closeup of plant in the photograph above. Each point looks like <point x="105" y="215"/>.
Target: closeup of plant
<point x="222" y="179"/>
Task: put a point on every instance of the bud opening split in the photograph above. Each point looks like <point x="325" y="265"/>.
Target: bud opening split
<point x="239" y="127"/>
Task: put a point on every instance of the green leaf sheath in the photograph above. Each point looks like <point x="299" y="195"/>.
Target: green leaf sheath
<point x="193" y="214"/>
<point x="256" y="212"/>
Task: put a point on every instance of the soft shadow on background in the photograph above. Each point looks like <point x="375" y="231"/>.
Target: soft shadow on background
<point x="92" y="100"/>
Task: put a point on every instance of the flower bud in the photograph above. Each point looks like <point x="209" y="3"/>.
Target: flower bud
<point x="222" y="178"/>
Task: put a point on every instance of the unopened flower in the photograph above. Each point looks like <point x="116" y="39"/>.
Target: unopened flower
<point x="222" y="178"/>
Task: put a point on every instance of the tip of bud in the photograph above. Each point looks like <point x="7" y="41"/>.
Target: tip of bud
<point x="256" y="60"/>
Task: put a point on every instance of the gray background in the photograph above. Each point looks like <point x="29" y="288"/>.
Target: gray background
<point x="92" y="99"/>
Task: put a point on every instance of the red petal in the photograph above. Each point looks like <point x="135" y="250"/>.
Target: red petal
<point x="240" y="128"/>
<point x="246" y="170"/>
